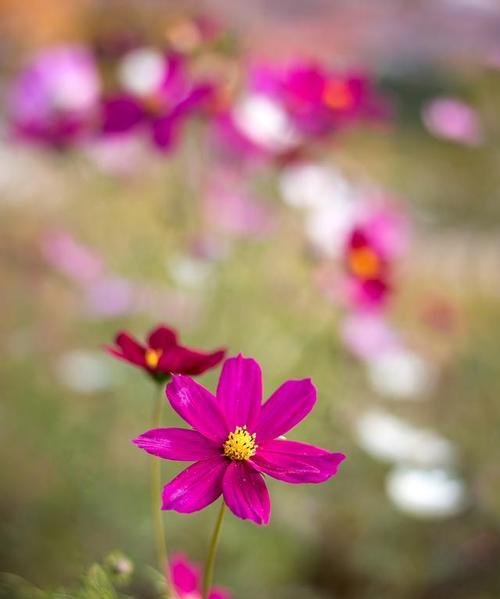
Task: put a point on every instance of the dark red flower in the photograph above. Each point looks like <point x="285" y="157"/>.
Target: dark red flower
<point x="162" y="355"/>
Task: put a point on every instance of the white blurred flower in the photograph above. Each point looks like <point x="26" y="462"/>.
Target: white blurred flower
<point x="401" y="374"/>
<point x="265" y="123"/>
<point x="84" y="371"/>
<point x="313" y="186"/>
<point x="391" y="439"/>
<point x="426" y="492"/>
<point x="190" y="272"/>
<point x="141" y="71"/>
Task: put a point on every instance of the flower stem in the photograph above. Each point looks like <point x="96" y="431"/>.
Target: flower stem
<point x="209" y="564"/>
<point x="159" y="529"/>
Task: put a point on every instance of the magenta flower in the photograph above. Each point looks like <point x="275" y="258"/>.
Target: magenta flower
<point x="162" y="355"/>
<point x="319" y="101"/>
<point x="158" y="95"/>
<point x="234" y="440"/>
<point x="284" y="109"/>
<point x="185" y="577"/>
<point x="53" y="101"/>
<point x="378" y="237"/>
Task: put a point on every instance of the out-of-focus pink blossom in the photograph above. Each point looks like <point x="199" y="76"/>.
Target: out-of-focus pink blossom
<point x="231" y="209"/>
<point x="453" y="119"/>
<point x="157" y="94"/>
<point x="70" y="257"/>
<point x="53" y="101"/>
<point x="285" y="108"/>
<point x="366" y="335"/>
<point x="317" y="100"/>
<point x="110" y="296"/>
<point x="378" y="235"/>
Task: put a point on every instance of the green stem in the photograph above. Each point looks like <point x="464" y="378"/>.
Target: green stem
<point x="159" y="529"/>
<point x="209" y="564"/>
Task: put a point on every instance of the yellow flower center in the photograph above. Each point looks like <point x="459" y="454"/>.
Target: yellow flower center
<point x="337" y="95"/>
<point x="364" y="263"/>
<point x="240" y="444"/>
<point x="152" y="357"/>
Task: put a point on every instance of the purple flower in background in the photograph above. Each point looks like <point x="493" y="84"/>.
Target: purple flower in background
<point x="284" y="109"/>
<point x="53" y="101"/>
<point x="377" y="236"/>
<point x="367" y="335"/>
<point x="319" y="101"/>
<point x="157" y="94"/>
<point x="73" y="259"/>
<point x="453" y="119"/>
<point x="232" y="209"/>
<point x="185" y="577"/>
<point x="234" y="440"/>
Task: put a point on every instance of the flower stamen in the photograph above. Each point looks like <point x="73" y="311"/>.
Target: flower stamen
<point x="240" y="444"/>
<point x="152" y="357"/>
<point x="364" y="263"/>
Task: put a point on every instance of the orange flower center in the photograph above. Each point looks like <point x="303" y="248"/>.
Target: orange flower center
<point x="154" y="104"/>
<point x="240" y="444"/>
<point x="152" y="357"/>
<point x="337" y="95"/>
<point x="364" y="263"/>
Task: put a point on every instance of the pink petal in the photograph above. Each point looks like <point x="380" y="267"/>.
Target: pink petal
<point x="295" y="462"/>
<point x="131" y="349"/>
<point x="239" y="392"/>
<point x="246" y="494"/>
<point x="198" y="407"/>
<point x="286" y="407"/>
<point x="185" y="576"/>
<point x="218" y="593"/>
<point x="177" y="444"/>
<point x="195" y="487"/>
<point x="189" y="361"/>
<point x="162" y="337"/>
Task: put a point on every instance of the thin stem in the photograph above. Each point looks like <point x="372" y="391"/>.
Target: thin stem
<point x="159" y="529"/>
<point x="209" y="564"/>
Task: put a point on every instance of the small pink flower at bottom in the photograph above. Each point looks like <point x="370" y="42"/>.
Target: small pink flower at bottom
<point x="185" y="578"/>
<point x="234" y="440"/>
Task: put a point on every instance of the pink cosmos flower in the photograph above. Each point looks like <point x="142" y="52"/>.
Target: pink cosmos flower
<point x="285" y="108"/>
<point x="73" y="259"/>
<point x="319" y="101"/>
<point x="185" y="577"/>
<point x="53" y="101"/>
<point x="157" y="96"/>
<point x="378" y="237"/>
<point x="163" y="355"/>
<point x="451" y="118"/>
<point x="234" y="440"/>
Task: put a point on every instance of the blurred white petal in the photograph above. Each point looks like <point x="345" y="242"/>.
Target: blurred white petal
<point x="265" y="123"/>
<point x="142" y="71"/>
<point x="401" y="374"/>
<point x="84" y="371"/>
<point x="426" y="492"/>
<point x="389" y="438"/>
